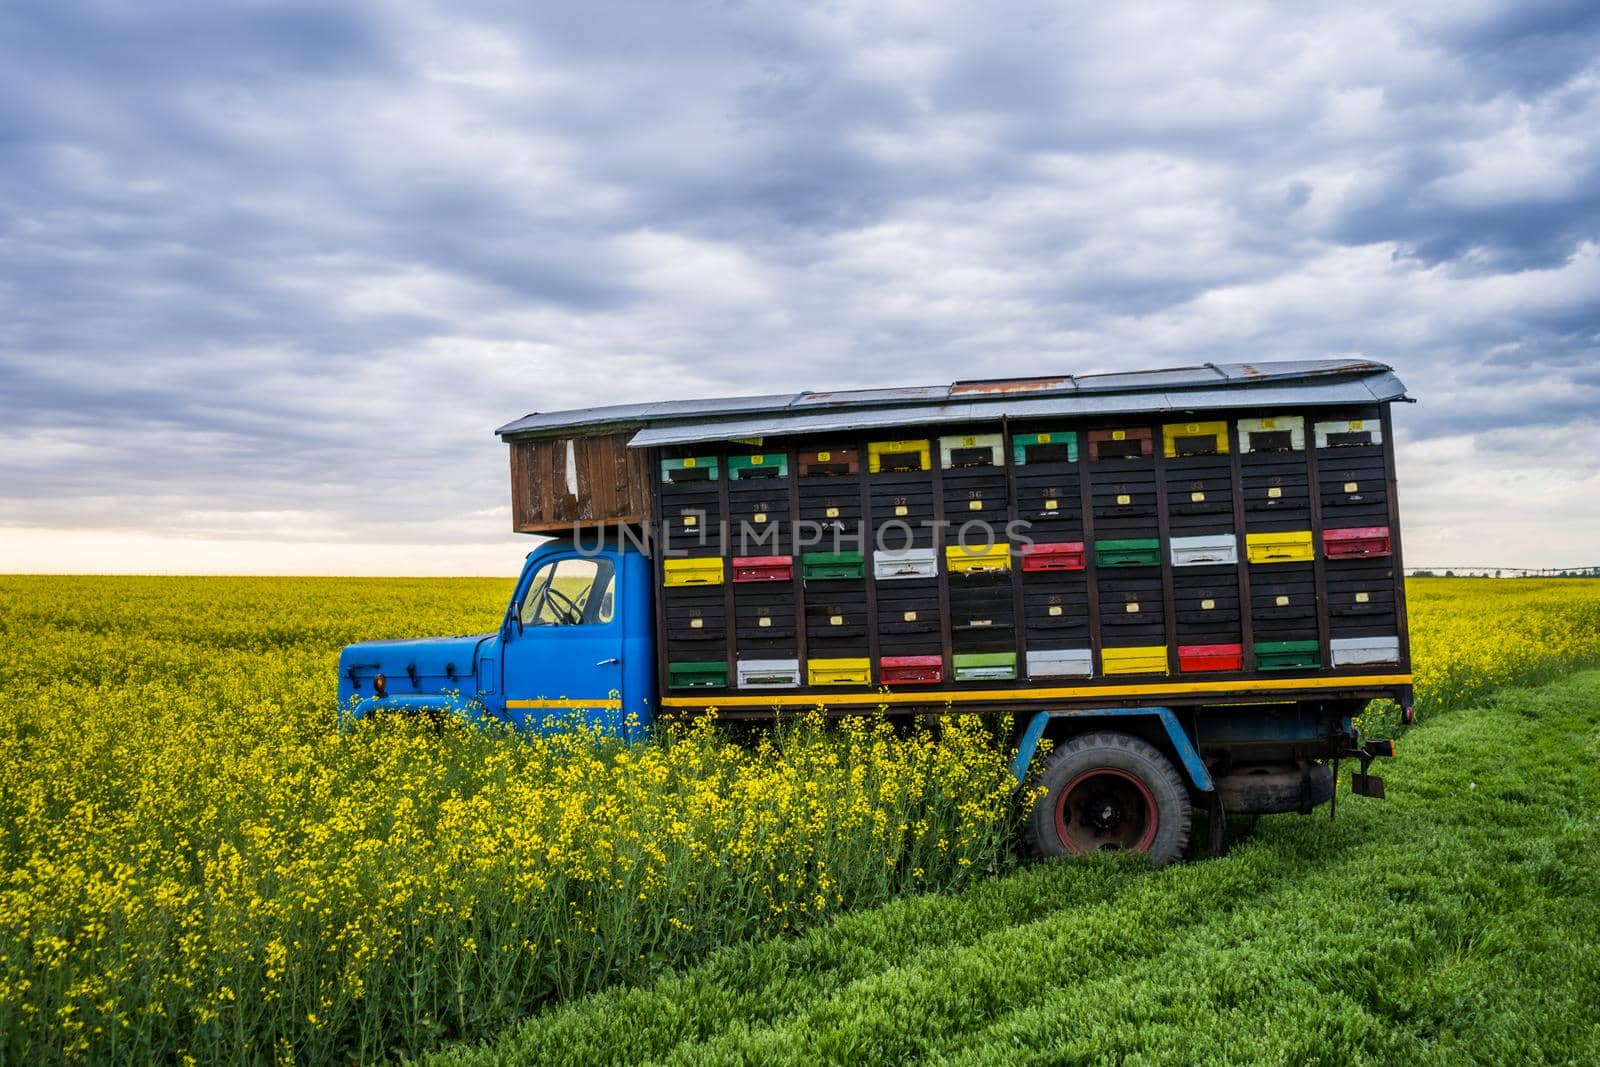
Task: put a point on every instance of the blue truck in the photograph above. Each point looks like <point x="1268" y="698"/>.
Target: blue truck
<point x="1189" y="580"/>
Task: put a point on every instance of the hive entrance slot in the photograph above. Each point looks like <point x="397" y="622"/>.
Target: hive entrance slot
<point x="971" y="457"/>
<point x="1130" y="449"/>
<point x="1051" y="453"/>
<point x="1203" y="445"/>
<point x="1271" y="441"/>
<point x="1349" y="438"/>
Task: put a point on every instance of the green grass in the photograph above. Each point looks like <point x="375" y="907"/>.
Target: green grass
<point x="1456" y="922"/>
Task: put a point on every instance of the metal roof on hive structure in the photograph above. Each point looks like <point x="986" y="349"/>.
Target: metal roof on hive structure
<point x="1212" y="386"/>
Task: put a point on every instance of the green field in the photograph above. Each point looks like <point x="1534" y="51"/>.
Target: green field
<point x="1456" y="922"/>
<point x="198" y="864"/>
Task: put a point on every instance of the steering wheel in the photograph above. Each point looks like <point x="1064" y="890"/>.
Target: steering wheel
<point x="572" y="610"/>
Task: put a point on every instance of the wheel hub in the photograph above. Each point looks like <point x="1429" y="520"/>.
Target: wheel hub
<point x="1106" y="809"/>
<point x="1105" y="813"/>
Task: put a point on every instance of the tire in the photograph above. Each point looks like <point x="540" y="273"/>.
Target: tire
<point x="1272" y="788"/>
<point x="1124" y="796"/>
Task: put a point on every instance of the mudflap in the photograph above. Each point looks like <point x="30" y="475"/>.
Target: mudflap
<point x="1362" y="784"/>
<point x="1366" y="785"/>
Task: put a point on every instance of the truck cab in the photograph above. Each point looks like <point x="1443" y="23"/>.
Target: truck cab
<point x="575" y="644"/>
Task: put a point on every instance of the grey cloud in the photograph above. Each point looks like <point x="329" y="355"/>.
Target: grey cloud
<point x="1529" y="47"/>
<point x="302" y="258"/>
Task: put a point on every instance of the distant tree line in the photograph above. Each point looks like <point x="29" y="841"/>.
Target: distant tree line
<point x="1508" y="572"/>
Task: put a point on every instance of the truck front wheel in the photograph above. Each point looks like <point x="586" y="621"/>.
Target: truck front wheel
<point x="1109" y="791"/>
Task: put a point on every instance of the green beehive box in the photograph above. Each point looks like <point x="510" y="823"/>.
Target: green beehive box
<point x="689" y="469"/>
<point x="1024" y="444"/>
<point x="985" y="666"/>
<point x="758" y="465"/>
<point x="1288" y="655"/>
<point x="1128" y="552"/>
<point x="703" y="674"/>
<point x="828" y="566"/>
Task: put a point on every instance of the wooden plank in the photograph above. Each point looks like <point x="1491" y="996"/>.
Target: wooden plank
<point x="1169" y="605"/>
<point x="724" y="535"/>
<point x="613" y="483"/>
<point x="801" y="652"/>
<point x="520" y="514"/>
<point x="1319" y="563"/>
<point x="1241" y="536"/>
<point x="941" y="567"/>
<point x="1091" y="569"/>
<point x="1401" y="623"/>
<point x="1019" y="616"/>
<point x="868" y="580"/>
<point x="658" y="597"/>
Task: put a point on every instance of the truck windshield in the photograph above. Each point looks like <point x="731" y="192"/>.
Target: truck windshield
<point x="570" y="592"/>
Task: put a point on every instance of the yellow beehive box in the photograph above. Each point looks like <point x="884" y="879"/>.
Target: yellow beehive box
<point x="848" y="671"/>
<point x="898" y="456"/>
<point x="996" y="559"/>
<point x="677" y="572"/>
<point x="1146" y="659"/>
<point x="1190" y="439"/>
<point x="1291" y="546"/>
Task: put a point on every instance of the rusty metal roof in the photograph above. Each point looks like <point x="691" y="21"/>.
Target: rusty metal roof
<point x="1212" y="386"/>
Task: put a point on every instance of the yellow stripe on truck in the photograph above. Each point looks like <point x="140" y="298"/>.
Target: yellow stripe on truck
<point x="571" y="704"/>
<point x="1273" y="685"/>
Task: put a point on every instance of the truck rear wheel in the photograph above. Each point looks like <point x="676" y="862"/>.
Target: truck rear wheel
<point x="1109" y="792"/>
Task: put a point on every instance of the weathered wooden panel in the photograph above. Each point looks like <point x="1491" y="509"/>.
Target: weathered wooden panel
<point x="558" y="483"/>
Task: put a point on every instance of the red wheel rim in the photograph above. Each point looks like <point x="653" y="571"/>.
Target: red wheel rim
<point x="1106" y="809"/>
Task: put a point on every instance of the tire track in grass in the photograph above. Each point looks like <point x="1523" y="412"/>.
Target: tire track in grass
<point x="1381" y="937"/>
<point x="911" y="1011"/>
<point x="727" y="1010"/>
<point x="1322" y="950"/>
<point x="748" y="989"/>
<point x="763" y="982"/>
<point x="1396" y="954"/>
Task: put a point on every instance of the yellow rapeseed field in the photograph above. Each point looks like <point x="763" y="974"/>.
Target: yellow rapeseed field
<point x="197" y="863"/>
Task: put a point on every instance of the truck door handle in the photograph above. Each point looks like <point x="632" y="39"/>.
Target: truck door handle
<point x="608" y="662"/>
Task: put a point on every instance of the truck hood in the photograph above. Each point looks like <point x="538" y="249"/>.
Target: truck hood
<point x="414" y="667"/>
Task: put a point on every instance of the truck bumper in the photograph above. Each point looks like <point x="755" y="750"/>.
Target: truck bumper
<point x="416" y="704"/>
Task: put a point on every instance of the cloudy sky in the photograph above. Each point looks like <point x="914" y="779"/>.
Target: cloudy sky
<point x="271" y="273"/>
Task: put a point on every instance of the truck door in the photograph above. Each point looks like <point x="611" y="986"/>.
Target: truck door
<point x="563" y="643"/>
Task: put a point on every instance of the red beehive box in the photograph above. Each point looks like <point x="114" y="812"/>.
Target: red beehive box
<point x="1132" y="443"/>
<point x="1193" y="658"/>
<point x="1361" y="542"/>
<point x="1066" y="556"/>
<point x="763" y="568"/>
<point x="911" y="670"/>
